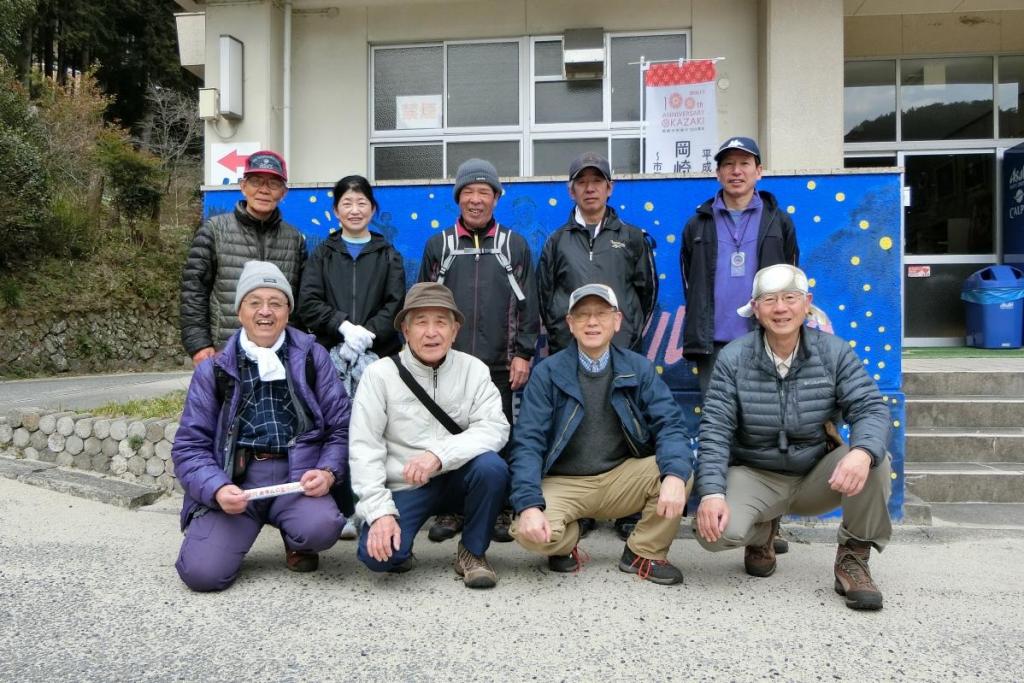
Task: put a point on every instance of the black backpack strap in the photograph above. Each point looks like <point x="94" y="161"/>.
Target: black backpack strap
<point x="444" y="418"/>
<point x="223" y="384"/>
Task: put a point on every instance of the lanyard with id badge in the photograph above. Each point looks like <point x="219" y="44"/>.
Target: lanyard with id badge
<point x="738" y="259"/>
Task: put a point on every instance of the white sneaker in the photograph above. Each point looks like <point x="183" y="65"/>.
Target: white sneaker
<point x="349" y="532"/>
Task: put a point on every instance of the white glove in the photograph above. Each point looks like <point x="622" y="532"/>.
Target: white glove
<point x="357" y="336"/>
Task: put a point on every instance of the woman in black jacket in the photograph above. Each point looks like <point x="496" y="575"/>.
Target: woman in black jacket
<point x="354" y="283"/>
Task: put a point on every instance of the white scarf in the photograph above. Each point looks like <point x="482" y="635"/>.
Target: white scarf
<point x="270" y="366"/>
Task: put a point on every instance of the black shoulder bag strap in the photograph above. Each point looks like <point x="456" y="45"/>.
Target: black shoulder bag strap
<point x="444" y="418"/>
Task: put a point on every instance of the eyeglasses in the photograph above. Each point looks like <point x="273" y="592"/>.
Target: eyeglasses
<point x="789" y="298"/>
<point x="602" y="316"/>
<point x="255" y="304"/>
<point x="259" y="182"/>
<point x="348" y="205"/>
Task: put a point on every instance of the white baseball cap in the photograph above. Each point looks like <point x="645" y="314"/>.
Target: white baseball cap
<point x="772" y="280"/>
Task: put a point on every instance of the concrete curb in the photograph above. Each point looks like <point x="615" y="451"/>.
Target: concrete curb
<point x="92" y="487"/>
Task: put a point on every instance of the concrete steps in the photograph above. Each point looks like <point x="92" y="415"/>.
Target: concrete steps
<point x="965" y="435"/>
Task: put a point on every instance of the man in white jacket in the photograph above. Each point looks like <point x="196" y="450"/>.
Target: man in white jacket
<point x="406" y="466"/>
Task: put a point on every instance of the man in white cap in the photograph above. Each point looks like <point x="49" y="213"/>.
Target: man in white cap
<point x="768" y="445"/>
<point x="268" y="409"/>
<point x="489" y="270"/>
<point x="599" y="435"/>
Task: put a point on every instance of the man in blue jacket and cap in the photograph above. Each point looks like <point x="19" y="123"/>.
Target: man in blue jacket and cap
<point x="599" y="435"/>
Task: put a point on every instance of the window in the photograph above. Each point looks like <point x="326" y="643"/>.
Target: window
<point x="436" y="105"/>
<point x="946" y="98"/>
<point x="869" y="107"/>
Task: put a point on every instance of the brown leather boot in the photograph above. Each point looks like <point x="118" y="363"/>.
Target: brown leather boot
<point x="853" y="578"/>
<point x="759" y="560"/>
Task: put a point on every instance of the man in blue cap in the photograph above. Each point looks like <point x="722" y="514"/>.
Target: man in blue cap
<point x="733" y="235"/>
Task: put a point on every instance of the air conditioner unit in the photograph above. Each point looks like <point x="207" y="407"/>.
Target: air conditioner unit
<point x="583" y="53"/>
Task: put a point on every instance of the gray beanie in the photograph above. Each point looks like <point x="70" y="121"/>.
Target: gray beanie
<point x="476" y="171"/>
<point x="257" y="274"/>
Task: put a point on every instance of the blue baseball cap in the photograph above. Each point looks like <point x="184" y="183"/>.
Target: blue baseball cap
<point x="748" y="145"/>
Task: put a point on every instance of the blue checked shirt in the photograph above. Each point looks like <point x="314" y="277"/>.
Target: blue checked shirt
<point x="267" y="419"/>
<point x="595" y="366"/>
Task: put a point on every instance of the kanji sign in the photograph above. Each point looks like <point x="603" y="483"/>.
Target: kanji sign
<point x="680" y="117"/>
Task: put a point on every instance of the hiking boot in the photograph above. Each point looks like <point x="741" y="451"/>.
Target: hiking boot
<point x="624" y="525"/>
<point x="476" y="572"/>
<point x="587" y="524"/>
<point x="299" y="561"/>
<point x="780" y="545"/>
<point x="759" y="560"/>
<point x="573" y="562"/>
<point x="853" y="578"/>
<point x="408" y="564"/>
<point x="658" y="571"/>
<point x="445" y="527"/>
<point x="500" y="533"/>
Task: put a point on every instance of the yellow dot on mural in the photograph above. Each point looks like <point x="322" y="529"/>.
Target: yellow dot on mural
<point x="312" y="199"/>
<point x="885" y="243"/>
<point x="670" y="238"/>
<point x="331" y="231"/>
<point x="811" y="282"/>
<point x="330" y="193"/>
<point x="892" y="475"/>
<point x="622" y="207"/>
<point x="840" y="197"/>
<point x="895" y="423"/>
<point x="817" y="219"/>
<point x="853" y="324"/>
<point x="894" y="402"/>
<point x="552" y="202"/>
<point x="881" y="329"/>
<point x="659" y="223"/>
<point x="790" y="209"/>
<point x="435" y="223"/>
<point x="865" y="361"/>
<point x="866" y="287"/>
<point x="661" y="276"/>
<point x="853" y="344"/>
<point x="694" y="370"/>
<point x="877" y="377"/>
<point x="855" y="260"/>
<point x="648" y="206"/>
<point x="868" y="314"/>
<point x="881" y="364"/>
<point x="811" y="184"/>
<point x="842" y="307"/>
<point x="864" y="225"/>
<point x="887" y="347"/>
<point x="659" y="369"/>
<point x="414" y="215"/>
<point x="867" y="349"/>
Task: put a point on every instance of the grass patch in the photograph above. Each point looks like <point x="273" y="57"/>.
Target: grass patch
<point x="169" y="405"/>
<point x="959" y="352"/>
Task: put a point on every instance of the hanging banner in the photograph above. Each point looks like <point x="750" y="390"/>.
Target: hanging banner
<point x="681" y="117"/>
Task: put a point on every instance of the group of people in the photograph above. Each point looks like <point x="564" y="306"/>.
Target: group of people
<point x="391" y="434"/>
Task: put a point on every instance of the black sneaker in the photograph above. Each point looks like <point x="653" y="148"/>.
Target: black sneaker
<point x="500" y="533"/>
<point x="408" y="565"/>
<point x="624" y="526"/>
<point x="573" y="562"/>
<point x="445" y="527"/>
<point x="587" y="524"/>
<point x="658" y="571"/>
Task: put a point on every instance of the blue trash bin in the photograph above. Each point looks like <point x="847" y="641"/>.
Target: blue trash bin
<point x="994" y="301"/>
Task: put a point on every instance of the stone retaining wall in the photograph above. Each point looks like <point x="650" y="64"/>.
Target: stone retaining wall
<point x="132" y="449"/>
<point x="97" y="341"/>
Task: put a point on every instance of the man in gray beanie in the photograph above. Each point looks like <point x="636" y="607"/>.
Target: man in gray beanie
<point x="266" y="411"/>
<point x="489" y="269"/>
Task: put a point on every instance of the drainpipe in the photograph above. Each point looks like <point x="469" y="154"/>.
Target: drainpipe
<point x="287" y="83"/>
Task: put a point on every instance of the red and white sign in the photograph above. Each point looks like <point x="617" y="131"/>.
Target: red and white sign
<point x="919" y="271"/>
<point x="227" y="161"/>
<point x="681" y="117"/>
<point x="418" y="111"/>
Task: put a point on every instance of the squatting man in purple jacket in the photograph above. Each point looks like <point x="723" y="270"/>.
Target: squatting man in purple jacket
<point x="268" y="409"/>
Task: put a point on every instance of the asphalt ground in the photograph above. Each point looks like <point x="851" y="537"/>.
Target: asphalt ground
<point x="89" y="391"/>
<point x="88" y="592"/>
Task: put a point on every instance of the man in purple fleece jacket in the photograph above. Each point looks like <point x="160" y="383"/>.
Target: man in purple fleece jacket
<point x="268" y="409"/>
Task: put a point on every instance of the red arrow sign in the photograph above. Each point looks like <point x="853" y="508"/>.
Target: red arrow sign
<point x="232" y="160"/>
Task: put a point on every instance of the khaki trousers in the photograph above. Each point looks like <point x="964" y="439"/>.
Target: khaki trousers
<point x="756" y="497"/>
<point x="632" y="486"/>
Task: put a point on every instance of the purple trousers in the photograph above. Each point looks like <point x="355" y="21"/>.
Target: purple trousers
<point x="216" y="543"/>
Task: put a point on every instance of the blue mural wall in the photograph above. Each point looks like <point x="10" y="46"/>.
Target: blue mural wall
<point x="848" y="228"/>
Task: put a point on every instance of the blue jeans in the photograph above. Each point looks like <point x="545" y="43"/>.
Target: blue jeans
<point x="476" y="490"/>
